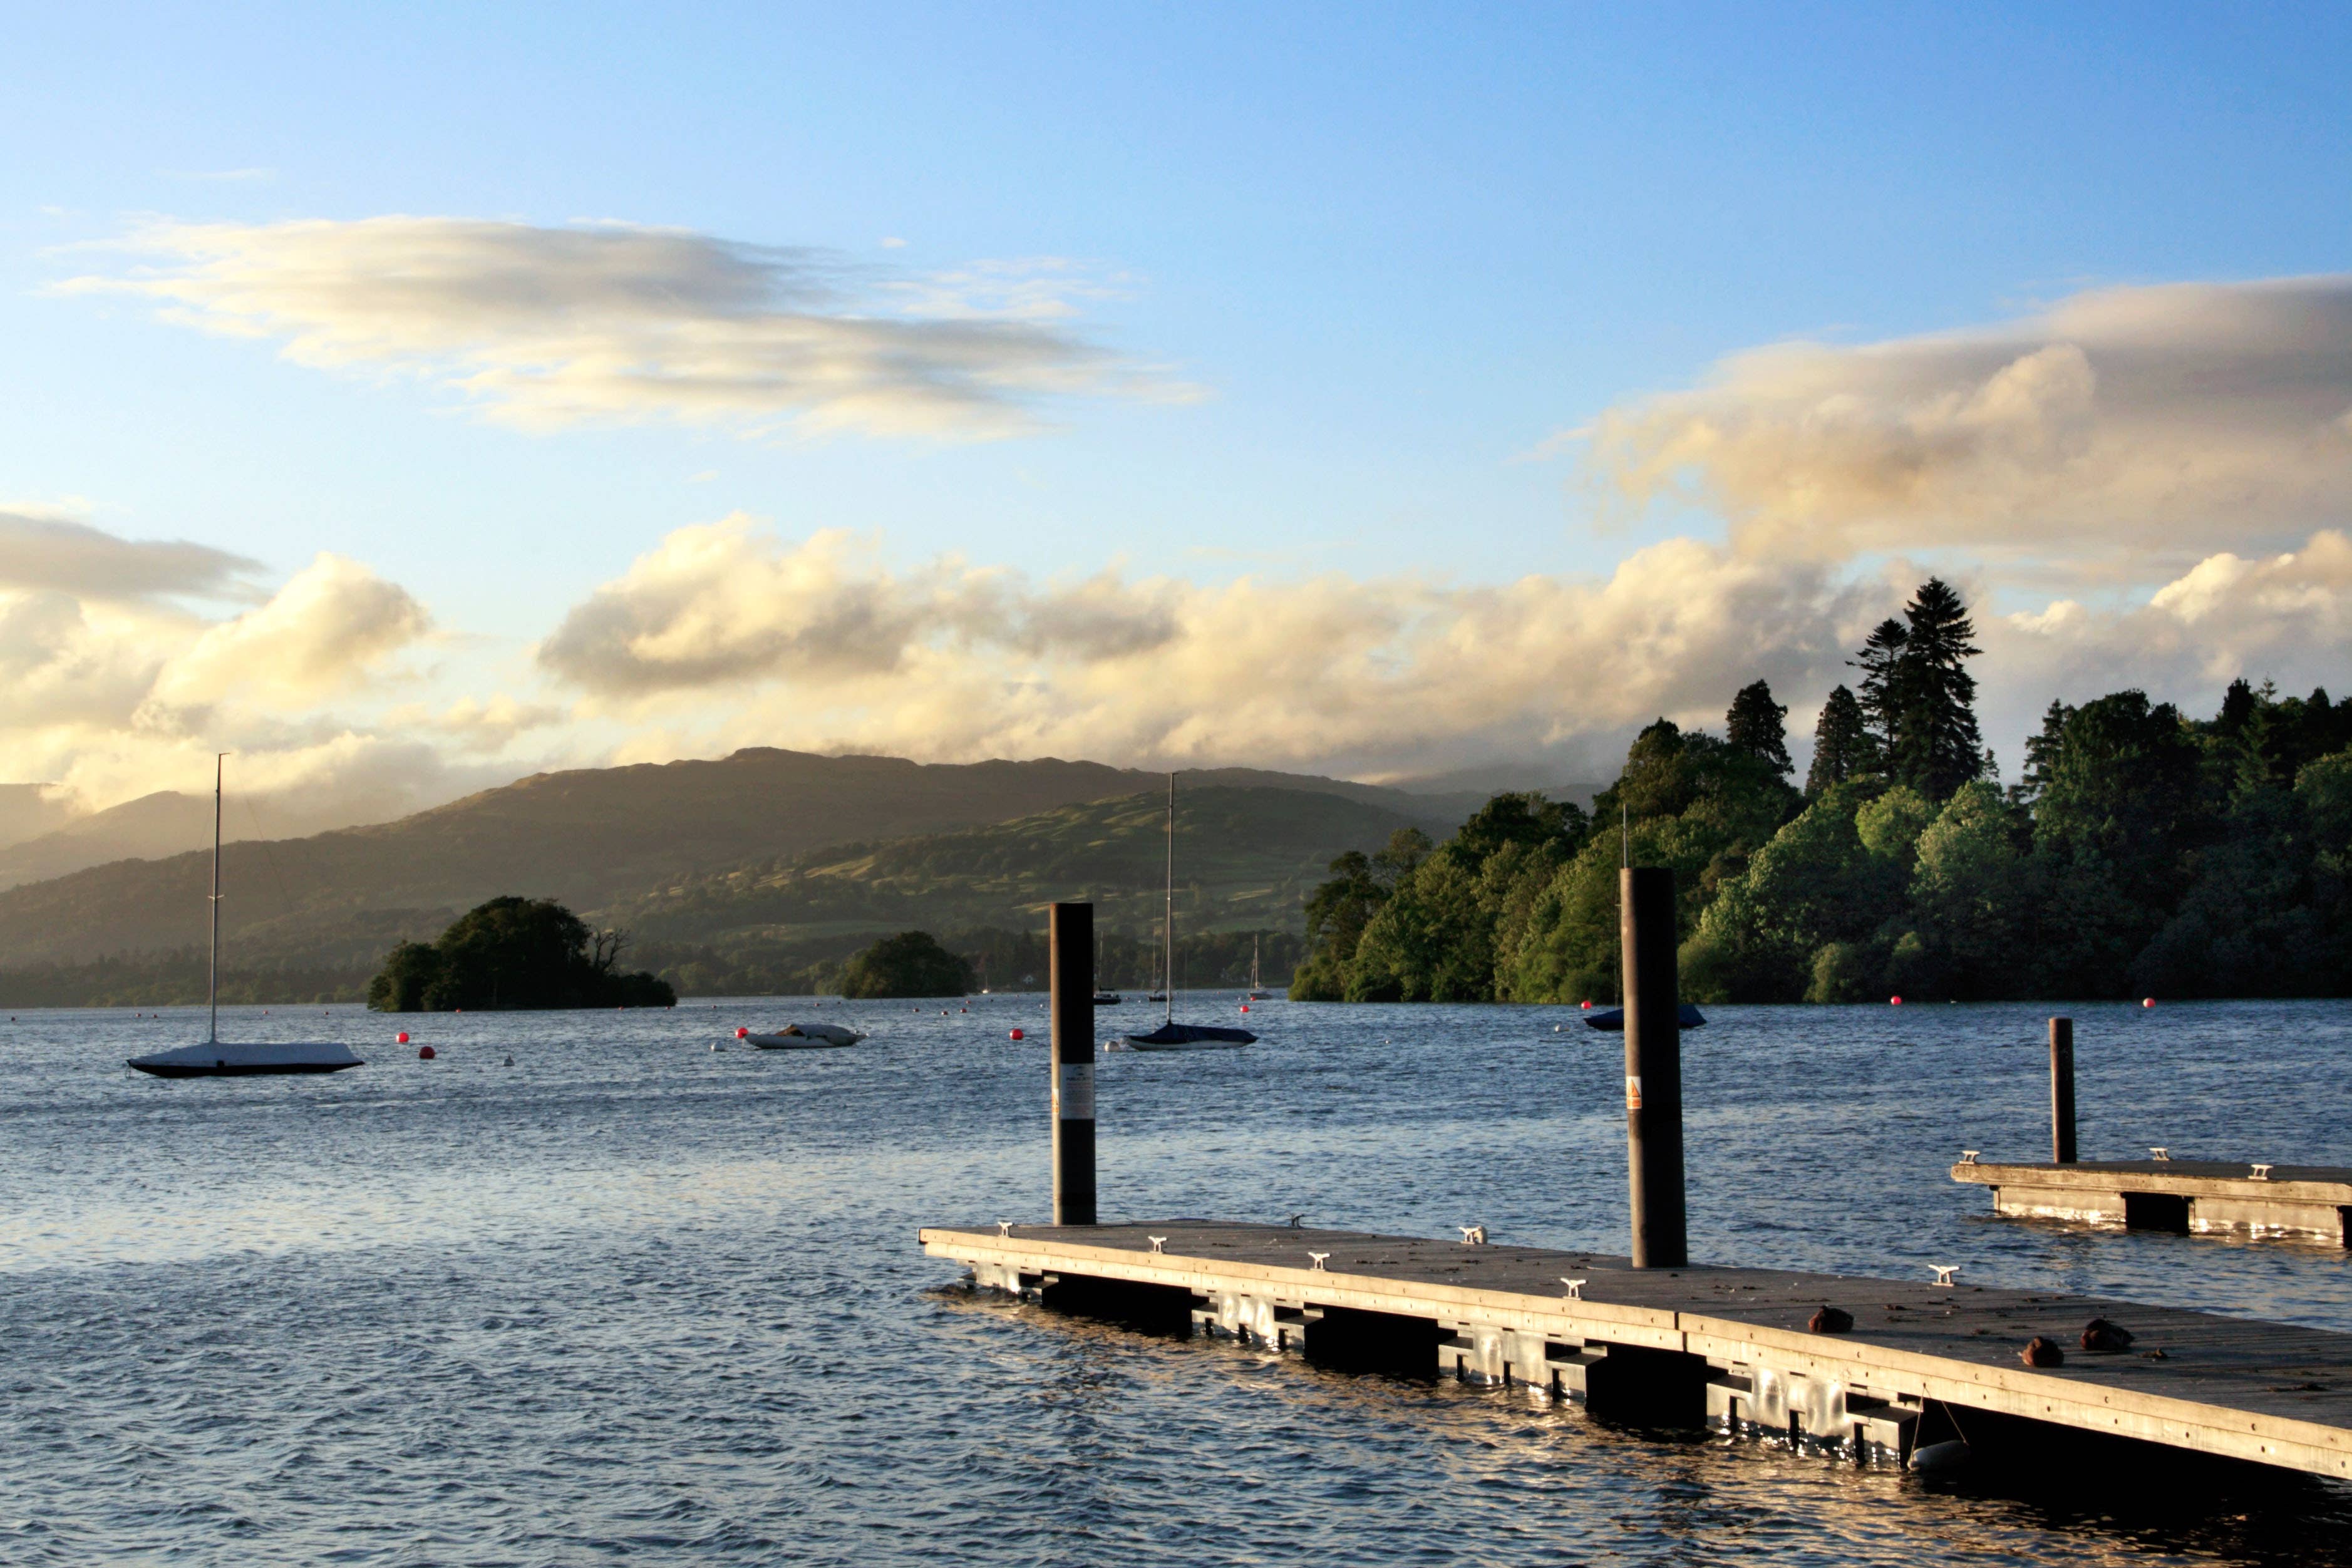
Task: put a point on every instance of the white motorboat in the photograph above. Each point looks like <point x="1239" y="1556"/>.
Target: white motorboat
<point x="806" y="1037"/>
<point x="216" y="1057"/>
<point x="1172" y="1035"/>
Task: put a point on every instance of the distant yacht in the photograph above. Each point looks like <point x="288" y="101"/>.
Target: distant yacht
<point x="1257" y="991"/>
<point x="216" y="1057"/>
<point x="1104" y="996"/>
<point x="1172" y="1035"/>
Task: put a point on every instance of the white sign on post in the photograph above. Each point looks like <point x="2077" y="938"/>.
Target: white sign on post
<point x="1073" y="1098"/>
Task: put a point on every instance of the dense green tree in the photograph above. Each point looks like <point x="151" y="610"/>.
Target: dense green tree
<point x="1815" y="883"/>
<point x="2142" y="853"/>
<point x="1339" y="910"/>
<point x="1756" y="727"/>
<point x="1842" y="748"/>
<point x="1526" y="819"/>
<point x="2125" y="783"/>
<point x="514" y="953"/>
<point x="407" y="975"/>
<point x="911" y="963"/>
<point x="1972" y="894"/>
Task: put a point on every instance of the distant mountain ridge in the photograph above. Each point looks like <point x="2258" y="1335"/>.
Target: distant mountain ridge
<point x="591" y="837"/>
<point x="1247" y="857"/>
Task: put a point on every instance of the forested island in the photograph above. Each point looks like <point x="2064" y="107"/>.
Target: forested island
<point x="2144" y="852"/>
<point x="514" y="953"/>
<point x="911" y="963"/>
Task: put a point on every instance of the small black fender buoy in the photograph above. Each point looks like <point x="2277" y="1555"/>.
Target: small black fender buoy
<point x="1935" y="1457"/>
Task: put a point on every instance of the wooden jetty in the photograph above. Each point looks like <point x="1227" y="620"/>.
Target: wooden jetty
<point x="2184" y="1196"/>
<point x="1870" y="1368"/>
<point x="1727" y="1347"/>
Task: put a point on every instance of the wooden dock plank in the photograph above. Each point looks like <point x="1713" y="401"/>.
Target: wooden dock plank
<point x="2198" y="1195"/>
<point x="2270" y="1393"/>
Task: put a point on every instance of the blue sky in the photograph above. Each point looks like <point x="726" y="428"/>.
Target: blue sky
<point x="1377" y="264"/>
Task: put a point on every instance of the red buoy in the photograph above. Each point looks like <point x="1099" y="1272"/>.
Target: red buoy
<point x="2147" y="1001"/>
<point x="1019" y="1035"/>
<point x="401" y="1038"/>
<point x="1588" y="1007"/>
<point x="1895" y="1001"/>
<point x="425" y="1053"/>
<point x="742" y="1034"/>
<point x="1245" y="1007"/>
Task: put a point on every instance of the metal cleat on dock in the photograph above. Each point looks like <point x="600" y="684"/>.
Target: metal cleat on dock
<point x="1158" y="1243"/>
<point x="1005" y="1228"/>
<point x="1945" y="1273"/>
<point x="1575" y="1287"/>
<point x="1473" y="1234"/>
<point x="1968" y="1156"/>
<point x="2261" y="1173"/>
<point x="1319" y="1259"/>
<point x="2158" y="1152"/>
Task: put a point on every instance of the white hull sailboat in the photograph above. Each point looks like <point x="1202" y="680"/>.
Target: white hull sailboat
<point x="216" y="1057"/>
<point x="1257" y="991"/>
<point x="1172" y="1035"/>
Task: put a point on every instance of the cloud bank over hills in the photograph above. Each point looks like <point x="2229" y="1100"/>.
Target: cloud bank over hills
<point x="2134" y="486"/>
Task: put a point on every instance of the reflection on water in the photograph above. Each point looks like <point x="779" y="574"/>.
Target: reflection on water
<point x="632" y="1295"/>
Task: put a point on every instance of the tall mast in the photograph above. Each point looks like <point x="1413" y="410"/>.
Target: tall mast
<point x="1168" y="920"/>
<point x="212" y="978"/>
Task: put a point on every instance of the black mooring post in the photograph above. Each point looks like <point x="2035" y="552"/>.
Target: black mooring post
<point x="2061" y="1090"/>
<point x="1070" y="942"/>
<point x="1654" y="1065"/>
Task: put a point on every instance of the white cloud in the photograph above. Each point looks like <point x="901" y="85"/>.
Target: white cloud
<point x="2286" y="616"/>
<point x="116" y="692"/>
<point x="474" y="725"/>
<point x="545" y="327"/>
<point x="41" y="548"/>
<point x="2120" y="427"/>
<point x="820" y="643"/>
<point x="333" y="624"/>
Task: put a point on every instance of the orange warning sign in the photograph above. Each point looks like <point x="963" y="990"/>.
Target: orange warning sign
<point x="1633" y="1092"/>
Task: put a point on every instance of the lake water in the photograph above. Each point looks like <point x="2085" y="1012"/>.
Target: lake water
<point x="631" y="1298"/>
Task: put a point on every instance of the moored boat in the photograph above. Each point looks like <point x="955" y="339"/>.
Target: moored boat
<point x="1172" y="1035"/>
<point x="806" y="1037"/>
<point x="216" y="1057"/>
<point x="225" y="1059"/>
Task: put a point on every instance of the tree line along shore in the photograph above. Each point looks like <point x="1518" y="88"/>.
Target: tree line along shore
<point x="2144" y="852"/>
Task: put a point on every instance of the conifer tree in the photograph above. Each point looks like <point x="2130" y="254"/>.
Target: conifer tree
<point x="1880" y="662"/>
<point x="1755" y="726"/>
<point x="1841" y="744"/>
<point x="1933" y="745"/>
<point x="2042" y="750"/>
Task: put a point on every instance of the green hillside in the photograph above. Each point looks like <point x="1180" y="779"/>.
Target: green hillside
<point x="686" y="854"/>
<point x="1246" y="858"/>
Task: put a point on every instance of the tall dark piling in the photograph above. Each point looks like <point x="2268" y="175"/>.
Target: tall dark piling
<point x="1654" y="1065"/>
<point x="2061" y="1090"/>
<point x="1070" y="941"/>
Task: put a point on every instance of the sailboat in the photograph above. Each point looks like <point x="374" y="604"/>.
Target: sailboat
<point x="1104" y="996"/>
<point x="216" y="1057"/>
<point x="1257" y="991"/>
<point x="1172" y="1035"/>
